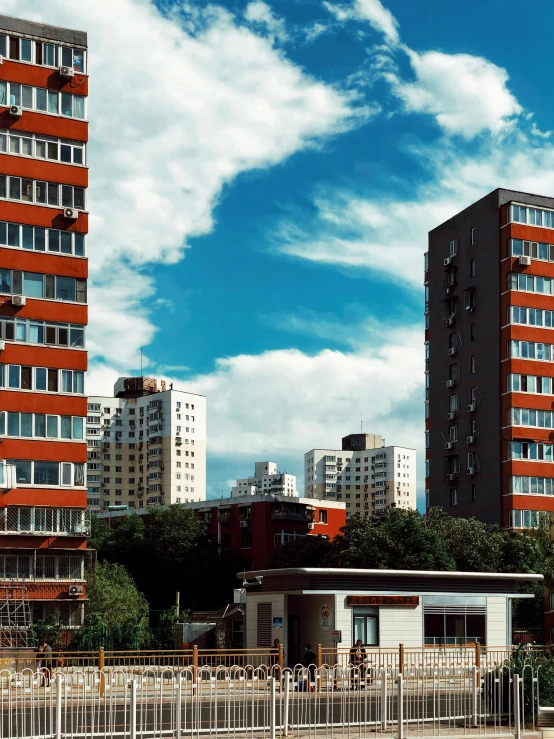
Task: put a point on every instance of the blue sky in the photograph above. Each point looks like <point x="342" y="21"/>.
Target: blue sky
<point x="263" y="176"/>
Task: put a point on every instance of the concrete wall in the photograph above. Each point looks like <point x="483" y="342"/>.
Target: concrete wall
<point x="497" y="622"/>
<point x="277" y="609"/>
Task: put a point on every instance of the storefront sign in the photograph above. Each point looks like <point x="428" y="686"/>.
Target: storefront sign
<point x="326" y="617"/>
<point x="383" y="600"/>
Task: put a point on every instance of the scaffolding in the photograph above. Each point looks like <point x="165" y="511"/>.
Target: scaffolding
<point x="15" y="615"/>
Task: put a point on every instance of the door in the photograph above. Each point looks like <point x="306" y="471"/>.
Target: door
<point x="293" y="655"/>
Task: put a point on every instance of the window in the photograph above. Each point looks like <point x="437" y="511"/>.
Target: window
<point x="454" y="496"/>
<point x="41" y="379"/>
<point x="530" y="283"/>
<point x="532" y="216"/>
<point x="531" y="316"/>
<point x="472" y="267"/>
<point x="40" y="99"/>
<point x="41" y="332"/>
<point x="530" y="350"/>
<point x="42" y="193"/>
<point x="453" y="247"/>
<point x="472" y="332"/>
<point x="454" y="623"/>
<point x="527" y="519"/>
<point x="469" y="299"/>
<point x="473" y="236"/>
<point x="35" y="285"/>
<point x="366" y="626"/>
<point x="453" y="403"/>
<point x="38" y="425"/>
<point x="48" y="473"/>
<point x="42" y="147"/>
<point x="472" y="365"/>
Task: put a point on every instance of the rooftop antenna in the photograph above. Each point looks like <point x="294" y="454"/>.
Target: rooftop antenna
<point x="361" y="424"/>
<point x="141" y="360"/>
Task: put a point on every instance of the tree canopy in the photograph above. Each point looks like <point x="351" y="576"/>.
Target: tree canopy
<point x="167" y="551"/>
<point x="409" y="540"/>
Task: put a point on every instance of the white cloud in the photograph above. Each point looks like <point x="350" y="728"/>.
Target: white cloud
<point x="260" y="14"/>
<point x="468" y="95"/>
<point x="373" y="11"/>
<point x="177" y="112"/>
<point x="287" y="402"/>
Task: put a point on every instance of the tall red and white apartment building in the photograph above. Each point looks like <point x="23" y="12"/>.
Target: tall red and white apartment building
<point x="43" y="317"/>
<point x="489" y="281"/>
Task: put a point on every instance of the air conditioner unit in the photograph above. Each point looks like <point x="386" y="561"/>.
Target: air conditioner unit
<point x="75" y="590"/>
<point x="71" y="213"/>
<point x="525" y="261"/>
<point x="450" y="383"/>
<point x="452" y="415"/>
<point x="472" y="407"/>
<point x="448" y="289"/>
<point x="471" y="439"/>
<point x="19" y="300"/>
<point x="2" y="59"/>
<point x="311" y="526"/>
<point x="66" y="72"/>
<point x="243" y="524"/>
<point x="450" y="321"/>
<point x="452" y="476"/>
<point x="452" y="351"/>
<point x="450" y="445"/>
<point x="471" y="471"/>
<point x="448" y="261"/>
<point x="2" y="346"/>
<point x="16" y="111"/>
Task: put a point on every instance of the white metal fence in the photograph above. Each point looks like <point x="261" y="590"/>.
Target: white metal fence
<point x="260" y="702"/>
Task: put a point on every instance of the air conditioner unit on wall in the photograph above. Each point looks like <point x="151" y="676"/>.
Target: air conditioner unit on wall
<point x="471" y="471"/>
<point x="71" y="213"/>
<point x="452" y="351"/>
<point x="448" y="261"/>
<point x="525" y="261"/>
<point x="311" y="526"/>
<point x="450" y="383"/>
<point x="452" y="415"/>
<point x="472" y="407"/>
<point x="452" y="476"/>
<point x="66" y="72"/>
<point x="16" y="111"/>
<point x="243" y="524"/>
<point x="450" y="445"/>
<point x="75" y="590"/>
<point x="471" y="439"/>
<point x="19" y="300"/>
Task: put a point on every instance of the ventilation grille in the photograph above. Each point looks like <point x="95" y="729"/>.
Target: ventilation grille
<point x="264" y="624"/>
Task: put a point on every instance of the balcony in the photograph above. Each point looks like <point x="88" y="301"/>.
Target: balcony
<point x="292" y="512"/>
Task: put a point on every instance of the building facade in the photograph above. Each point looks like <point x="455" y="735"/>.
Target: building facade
<point x="146" y="446"/>
<point x="489" y="278"/>
<point x="43" y="317"/>
<point x="254" y="528"/>
<point x="365" y="474"/>
<point x="267" y="479"/>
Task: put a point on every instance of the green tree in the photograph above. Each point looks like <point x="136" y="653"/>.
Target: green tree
<point x="394" y="539"/>
<point x="114" y="599"/>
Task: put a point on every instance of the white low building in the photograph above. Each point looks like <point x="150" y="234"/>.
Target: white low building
<point x="383" y="608"/>
<point x="267" y="480"/>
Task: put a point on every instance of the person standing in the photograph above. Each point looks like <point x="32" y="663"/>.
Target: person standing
<point x="310" y="663"/>
<point x="45" y="662"/>
<point x="358" y="657"/>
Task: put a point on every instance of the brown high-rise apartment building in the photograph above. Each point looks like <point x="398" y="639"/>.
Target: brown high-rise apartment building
<point x="489" y="281"/>
<point x="43" y="317"/>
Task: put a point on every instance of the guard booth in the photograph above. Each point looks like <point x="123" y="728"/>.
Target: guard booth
<point x="383" y="608"/>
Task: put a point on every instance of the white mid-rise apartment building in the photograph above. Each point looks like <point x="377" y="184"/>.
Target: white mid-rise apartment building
<point x="366" y="475"/>
<point x="146" y="446"/>
<point x="267" y="480"/>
